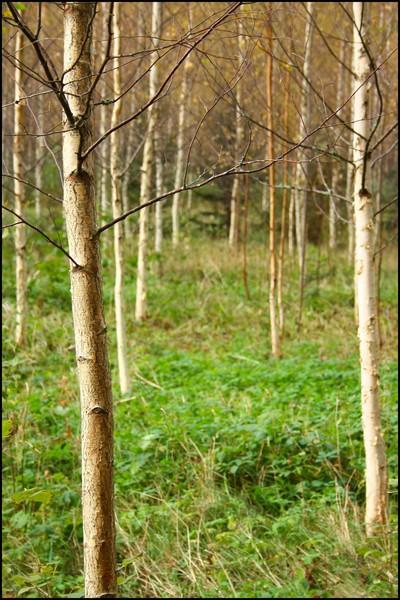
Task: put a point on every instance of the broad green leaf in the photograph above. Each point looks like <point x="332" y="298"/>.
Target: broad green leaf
<point x="42" y="496"/>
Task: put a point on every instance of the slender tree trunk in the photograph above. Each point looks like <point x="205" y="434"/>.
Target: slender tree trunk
<point x="335" y="165"/>
<point x="158" y="220"/>
<point x="39" y="162"/>
<point x="116" y="189"/>
<point x="20" y="230"/>
<point x="378" y="250"/>
<point x="87" y="307"/>
<point x="281" y="255"/>
<point x="272" y="226"/>
<point x="291" y="216"/>
<point x="103" y="150"/>
<point x="375" y="458"/>
<point x="350" y="209"/>
<point x="302" y="170"/>
<point x="245" y="235"/>
<point x="145" y="183"/>
<point x="264" y="199"/>
<point x="180" y="153"/>
<point x="235" y="197"/>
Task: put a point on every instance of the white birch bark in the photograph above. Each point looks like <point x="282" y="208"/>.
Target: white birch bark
<point x="145" y="182"/>
<point x="350" y="208"/>
<point x="335" y="165"/>
<point x="235" y="197"/>
<point x="88" y="315"/>
<point x="158" y="221"/>
<point x="275" y="341"/>
<point x="180" y="153"/>
<point x="19" y="192"/>
<point x="375" y="459"/>
<point x="302" y="169"/>
<point x="38" y="161"/>
<point x="116" y="191"/>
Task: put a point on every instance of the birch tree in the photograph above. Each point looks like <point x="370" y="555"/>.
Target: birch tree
<point x="87" y="307"/>
<point x="335" y="165"/>
<point x="180" y="153"/>
<point x="375" y="456"/>
<point x="235" y="197"/>
<point x="116" y="190"/>
<point x="19" y="192"/>
<point x="302" y="168"/>
<point x="145" y="181"/>
<point x="275" y="342"/>
<point x="158" y="221"/>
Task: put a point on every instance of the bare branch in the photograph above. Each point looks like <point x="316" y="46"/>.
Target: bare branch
<point x="42" y="233"/>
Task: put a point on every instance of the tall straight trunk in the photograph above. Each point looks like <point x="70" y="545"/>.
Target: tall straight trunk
<point x="264" y="198"/>
<point x="281" y="255"/>
<point x="235" y="197"/>
<point x="302" y="170"/>
<point x="378" y="249"/>
<point x="291" y="215"/>
<point x="275" y="342"/>
<point x="335" y="165"/>
<point x="145" y="182"/>
<point x="20" y="231"/>
<point x="245" y="234"/>
<point x="38" y="161"/>
<point x="88" y="314"/>
<point x="350" y="208"/>
<point x="180" y="147"/>
<point x="116" y="199"/>
<point x="375" y="457"/>
<point x="103" y="151"/>
<point x="158" y="220"/>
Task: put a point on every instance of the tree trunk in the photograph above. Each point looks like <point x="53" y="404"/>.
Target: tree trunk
<point x="272" y="233"/>
<point x="235" y="198"/>
<point x="145" y="183"/>
<point x="281" y="255"/>
<point x="375" y="459"/>
<point x="350" y="208"/>
<point x="87" y="307"/>
<point x="335" y="165"/>
<point x="20" y="230"/>
<point x="38" y="162"/>
<point x="103" y="150"/>
<point x="158" y="221"/>
<point x="302" y="169"/>
<point x="245" y="235"/>
<point x="116" y="198"/>
<point x="180" y="154"/>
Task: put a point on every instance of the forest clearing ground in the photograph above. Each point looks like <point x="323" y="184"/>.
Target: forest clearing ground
<point x="236" y="475"/>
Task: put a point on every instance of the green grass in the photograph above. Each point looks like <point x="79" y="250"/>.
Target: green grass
<point x="236" y="474"/>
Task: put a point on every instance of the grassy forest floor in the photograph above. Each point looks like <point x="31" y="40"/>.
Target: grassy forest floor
<point x="236" y="474"/>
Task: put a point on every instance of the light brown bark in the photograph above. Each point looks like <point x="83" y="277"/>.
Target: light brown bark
<point x="88" y="315"/>
<point x="20" y="230"/>
<point x="375" y="458"/>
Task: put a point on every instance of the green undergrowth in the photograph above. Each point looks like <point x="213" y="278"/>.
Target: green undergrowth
<point x="236" y="474"/>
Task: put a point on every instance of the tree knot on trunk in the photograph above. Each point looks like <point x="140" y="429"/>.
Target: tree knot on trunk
<point x="364" y="193"/>
<point x="98" y="410"/>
